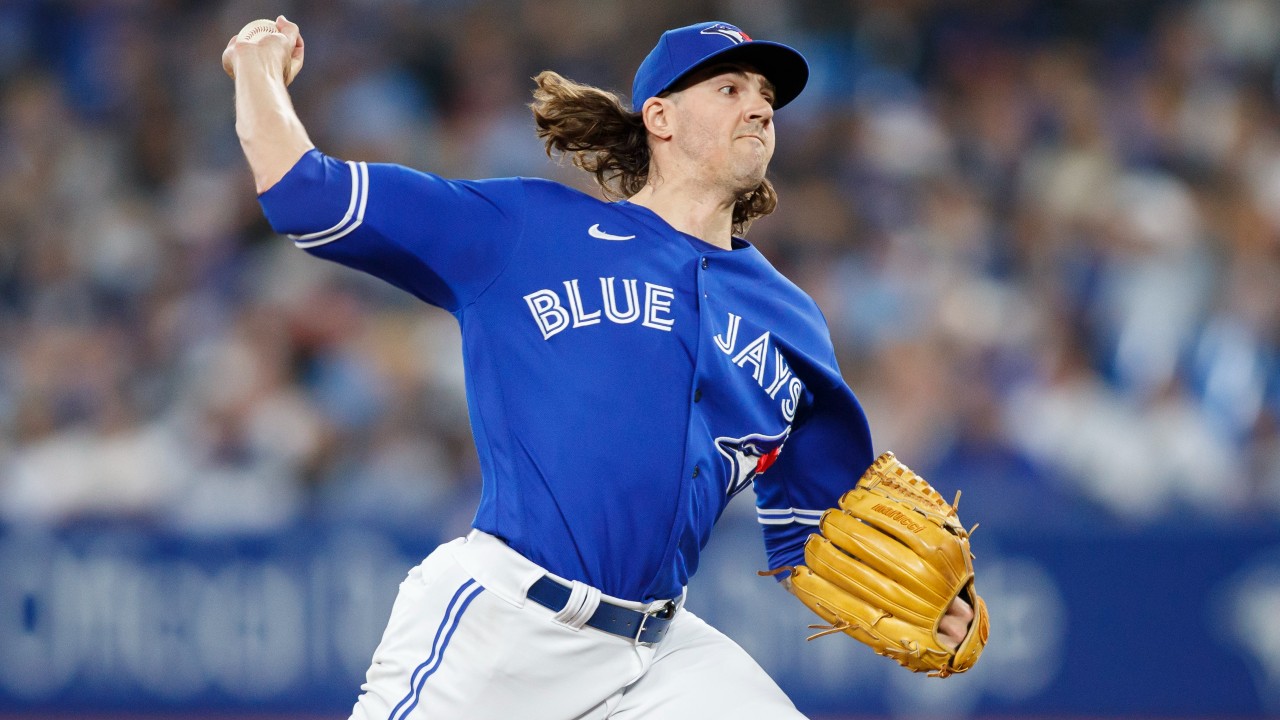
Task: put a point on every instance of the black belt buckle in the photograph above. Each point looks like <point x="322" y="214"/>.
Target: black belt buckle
<point x="665" y="612"/>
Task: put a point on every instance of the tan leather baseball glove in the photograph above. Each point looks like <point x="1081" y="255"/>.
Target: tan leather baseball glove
<point x="885" y="567"/>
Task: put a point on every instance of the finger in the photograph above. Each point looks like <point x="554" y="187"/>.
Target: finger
<point x="960" y="609"/>
<point x="288" y="28"/>
<point x="952" y="631"/>
<point x="226" y="56"/>
<point x="291" y="30"/>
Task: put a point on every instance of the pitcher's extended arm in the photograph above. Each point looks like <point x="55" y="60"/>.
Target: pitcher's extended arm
<point x="271" y="134"/>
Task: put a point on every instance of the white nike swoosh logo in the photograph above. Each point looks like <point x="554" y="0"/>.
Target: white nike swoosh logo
<point x="595" y="232"/>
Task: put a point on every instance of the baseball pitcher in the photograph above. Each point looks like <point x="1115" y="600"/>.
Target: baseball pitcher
<point x="631" y="366"/>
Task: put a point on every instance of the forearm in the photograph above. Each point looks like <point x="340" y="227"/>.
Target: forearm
<point x="270" y="132"/>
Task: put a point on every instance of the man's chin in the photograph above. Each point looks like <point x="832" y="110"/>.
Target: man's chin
<point x="750" y="183"/>
<point x="747" y="190"/>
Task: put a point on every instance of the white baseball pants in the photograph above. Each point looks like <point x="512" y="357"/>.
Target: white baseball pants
<point x="463" y="643"/>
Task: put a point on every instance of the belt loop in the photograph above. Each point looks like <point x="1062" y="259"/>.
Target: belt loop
<point x="582" y="604"/>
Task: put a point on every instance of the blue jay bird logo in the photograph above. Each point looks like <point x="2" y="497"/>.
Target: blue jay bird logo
<point x="749" y="456"/>
<point x="737" y="36"/>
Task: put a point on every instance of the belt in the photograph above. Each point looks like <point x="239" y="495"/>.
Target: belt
<point x="639" y="626"/>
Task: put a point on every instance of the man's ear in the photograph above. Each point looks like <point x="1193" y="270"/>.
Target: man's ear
<point x="658" y="118"/>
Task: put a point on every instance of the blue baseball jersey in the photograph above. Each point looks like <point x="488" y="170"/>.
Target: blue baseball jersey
<point x="624" y="380"/>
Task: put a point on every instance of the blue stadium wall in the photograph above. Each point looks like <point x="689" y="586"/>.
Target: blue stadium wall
<point x="115" y="620"/>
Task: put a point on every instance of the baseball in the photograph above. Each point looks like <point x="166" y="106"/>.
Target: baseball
<point x="257" y="27"/>
<point x="263" y="26"/>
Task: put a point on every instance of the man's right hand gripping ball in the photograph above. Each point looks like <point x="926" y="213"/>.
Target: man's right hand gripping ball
<point x="886" y="566"/>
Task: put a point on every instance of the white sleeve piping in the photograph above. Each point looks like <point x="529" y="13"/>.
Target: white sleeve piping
<point x="355" y="211"/>
<point x="787" y="516"/>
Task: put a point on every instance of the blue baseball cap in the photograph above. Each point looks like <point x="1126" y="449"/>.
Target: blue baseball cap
<point x="681" y="51"/>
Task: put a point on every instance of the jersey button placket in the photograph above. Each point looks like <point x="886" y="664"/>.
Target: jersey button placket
<point x="697" y="392"/>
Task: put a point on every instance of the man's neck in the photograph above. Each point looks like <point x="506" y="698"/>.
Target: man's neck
<point x="691" y="209"/>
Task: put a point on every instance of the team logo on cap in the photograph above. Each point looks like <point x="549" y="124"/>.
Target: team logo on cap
<point x="749" y="456"/>
<point x="729" y="31"/>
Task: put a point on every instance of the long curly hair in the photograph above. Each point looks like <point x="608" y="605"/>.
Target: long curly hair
<point x="601" y="136"/>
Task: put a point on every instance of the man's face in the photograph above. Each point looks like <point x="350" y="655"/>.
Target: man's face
<point x="724" y="124"/>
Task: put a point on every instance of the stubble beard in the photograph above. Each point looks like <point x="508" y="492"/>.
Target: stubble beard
<point x="743" y="172"/>
<point x="749" y="173"/>
<point x="737" y="171"/>
<point x="749" y="159"/>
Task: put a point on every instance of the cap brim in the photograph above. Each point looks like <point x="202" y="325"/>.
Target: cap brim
<point x="783" y="66"/>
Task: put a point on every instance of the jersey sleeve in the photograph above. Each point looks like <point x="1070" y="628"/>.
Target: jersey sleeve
<point x="444" y="241"/>
<point x="827" y="452"/>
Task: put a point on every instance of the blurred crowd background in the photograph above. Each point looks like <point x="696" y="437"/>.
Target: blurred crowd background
<point x="1046" y="236"/>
